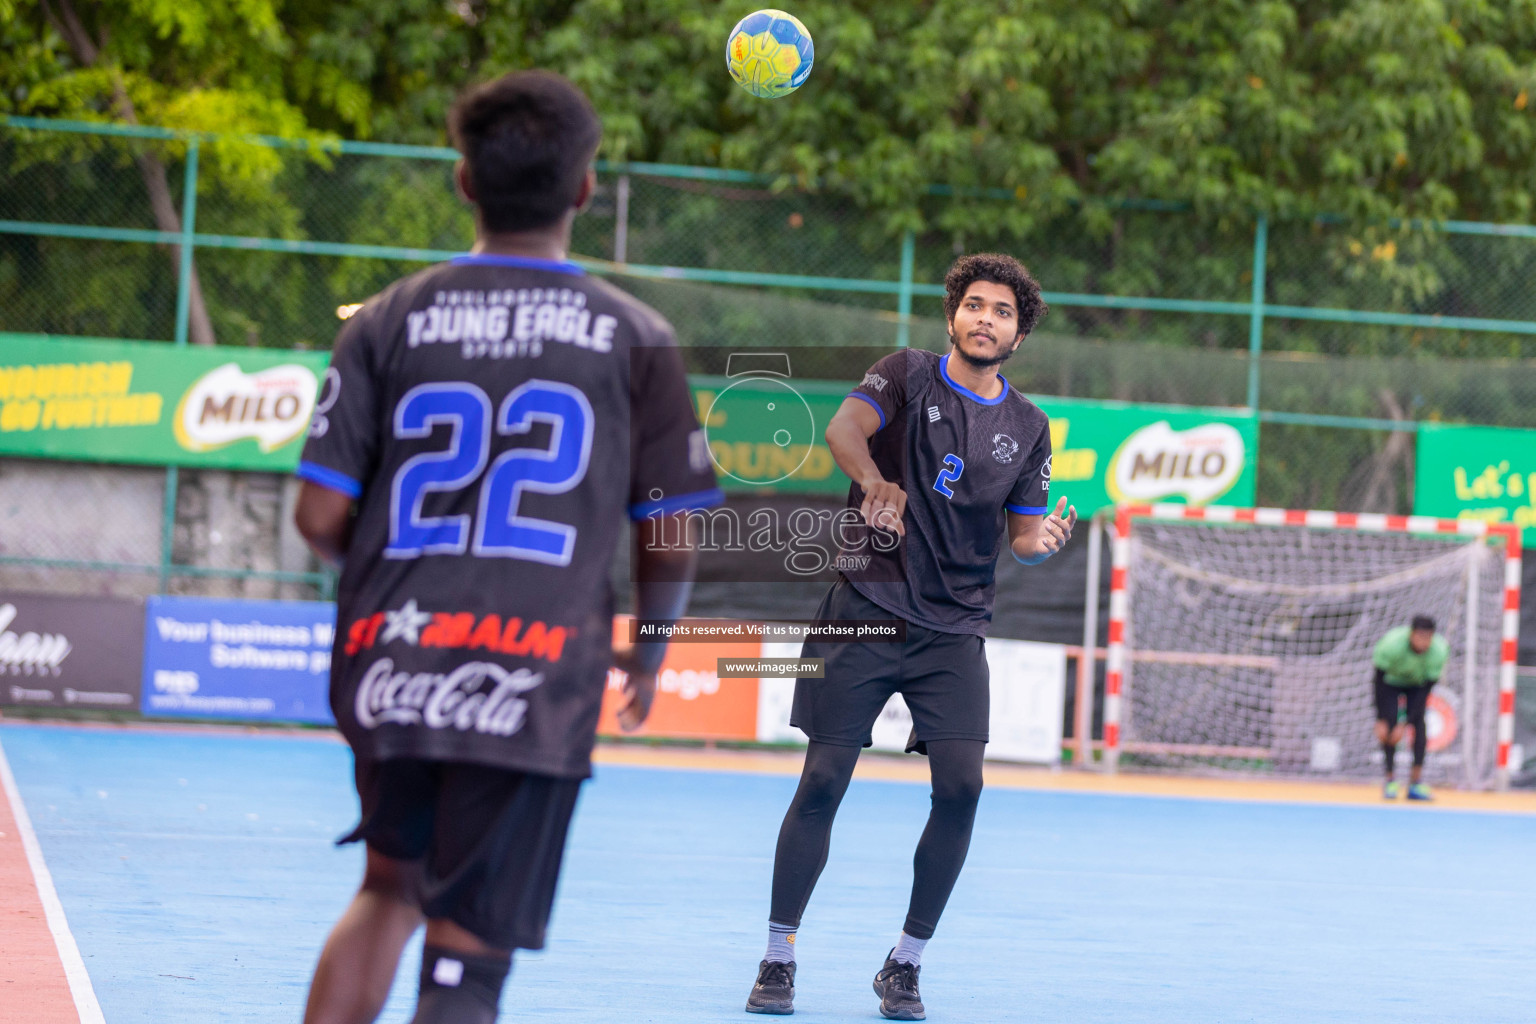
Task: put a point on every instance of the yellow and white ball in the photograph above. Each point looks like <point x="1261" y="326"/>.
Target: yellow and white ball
<point x="769" y="53"/>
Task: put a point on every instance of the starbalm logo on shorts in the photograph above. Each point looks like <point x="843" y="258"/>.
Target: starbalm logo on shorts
<point x="1199" y="464"/>
<point x="226" y="404"/>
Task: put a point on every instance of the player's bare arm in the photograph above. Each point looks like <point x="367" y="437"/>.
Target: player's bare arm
<point x="663" y="581"/>
<point x="1033" y="539"/>
<point x="323" y="518"/>
<point x="848" y="437"/>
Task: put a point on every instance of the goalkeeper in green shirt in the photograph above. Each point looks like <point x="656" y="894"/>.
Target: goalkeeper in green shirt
<point x="1408" y="662"/>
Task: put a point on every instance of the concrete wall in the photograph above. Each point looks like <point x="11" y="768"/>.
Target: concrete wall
<point x="113" y="514"/>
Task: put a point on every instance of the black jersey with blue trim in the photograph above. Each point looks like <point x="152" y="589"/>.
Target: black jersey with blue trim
<point x="964" y="462"/>
<point x="495" y="418"/>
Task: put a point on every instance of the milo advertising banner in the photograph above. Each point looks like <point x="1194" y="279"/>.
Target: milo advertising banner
<point x="1109" y="452"/>
<point x="147" y="402"/>
<point x="1486" y="473"/>
<point x="765" y="434"/>
<point x="246" y="408"/>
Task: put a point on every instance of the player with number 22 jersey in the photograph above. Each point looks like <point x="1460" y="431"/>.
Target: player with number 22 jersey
<point x="485" y="426"/>
<point x="494" y="417"/>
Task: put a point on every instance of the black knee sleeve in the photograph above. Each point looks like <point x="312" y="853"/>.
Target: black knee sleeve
<point x="958" y="793"/>
<point x="459" y="989"/>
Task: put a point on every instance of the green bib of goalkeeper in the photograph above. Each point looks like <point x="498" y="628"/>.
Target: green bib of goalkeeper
<point x="1401" y="665"/>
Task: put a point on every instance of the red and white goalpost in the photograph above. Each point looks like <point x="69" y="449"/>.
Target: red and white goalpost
<point x="1240" y="639"/>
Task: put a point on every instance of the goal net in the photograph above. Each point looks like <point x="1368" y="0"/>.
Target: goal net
<point x="1241" y="640"/>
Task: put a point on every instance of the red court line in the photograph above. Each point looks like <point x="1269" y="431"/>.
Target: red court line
<point x="34" y="985"/>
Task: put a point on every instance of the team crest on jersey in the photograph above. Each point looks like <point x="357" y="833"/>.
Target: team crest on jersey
<point x="1004" y="448"/>
<point x="410" y="625"/>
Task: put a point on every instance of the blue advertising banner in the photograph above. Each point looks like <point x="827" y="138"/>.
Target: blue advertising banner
<point x="213" y="658"/>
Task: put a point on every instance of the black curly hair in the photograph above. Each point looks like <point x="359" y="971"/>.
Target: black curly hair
<point x="998" y="269"/>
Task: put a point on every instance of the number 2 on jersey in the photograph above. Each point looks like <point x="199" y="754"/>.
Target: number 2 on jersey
<point x="499" y="530"/>
<point x="953" y="467"/>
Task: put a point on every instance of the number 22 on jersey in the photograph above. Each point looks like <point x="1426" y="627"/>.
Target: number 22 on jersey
<point x="498" y="530"/>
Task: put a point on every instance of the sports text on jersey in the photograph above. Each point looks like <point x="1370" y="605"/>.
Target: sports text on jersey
<point x="510" y="322"/>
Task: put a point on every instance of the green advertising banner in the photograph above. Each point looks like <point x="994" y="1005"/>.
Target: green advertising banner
<point x="240" y="408"/>
<point x="148" y="402"/>
<point x="766" y="434"/>
<point x="1486" y="473"/>
<point x="1109" y="452"/>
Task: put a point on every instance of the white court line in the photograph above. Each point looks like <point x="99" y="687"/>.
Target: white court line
<point x="69" y="953"/>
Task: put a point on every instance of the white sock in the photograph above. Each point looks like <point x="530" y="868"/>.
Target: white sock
<point x="909" y="950"/>
<point x="781" y="943"/>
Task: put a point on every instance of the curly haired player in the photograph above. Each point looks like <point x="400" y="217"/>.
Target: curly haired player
<point x="947" y="460"/>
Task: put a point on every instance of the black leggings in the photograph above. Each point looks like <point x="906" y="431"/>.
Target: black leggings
<point x="806" y="835"/>
<point x="1417" y="700"/>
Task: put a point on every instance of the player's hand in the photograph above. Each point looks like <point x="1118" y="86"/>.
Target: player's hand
<point x="884" y="504"/>
<point x="639" y="690"/>
<point x="1056" y="531"/>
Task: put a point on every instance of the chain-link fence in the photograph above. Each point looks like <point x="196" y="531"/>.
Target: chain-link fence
<point x="1343" y="337"/>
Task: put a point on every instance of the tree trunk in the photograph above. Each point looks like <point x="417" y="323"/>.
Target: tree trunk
<point x="199" y="327"/>
<point x="1372" y="485"/>
<point x="151" y="168"/>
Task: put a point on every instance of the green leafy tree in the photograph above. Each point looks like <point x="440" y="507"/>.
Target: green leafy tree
<point x="1364" y="109"/>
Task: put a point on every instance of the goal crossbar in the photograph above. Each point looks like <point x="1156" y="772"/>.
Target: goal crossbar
<point x="1119" y="657"/>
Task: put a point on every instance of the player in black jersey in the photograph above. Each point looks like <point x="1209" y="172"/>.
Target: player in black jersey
<point x="483" y="427"/>
<point x="948" y="457"/>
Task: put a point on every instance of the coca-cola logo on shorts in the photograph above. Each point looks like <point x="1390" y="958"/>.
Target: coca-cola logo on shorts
<point x="475" y="697"/>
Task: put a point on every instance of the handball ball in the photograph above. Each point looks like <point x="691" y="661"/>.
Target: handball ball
<point x="769" y="53"/>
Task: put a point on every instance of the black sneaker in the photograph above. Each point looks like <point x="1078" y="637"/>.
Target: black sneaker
<point x="775" y="988"/>
<point x="896" y="985"/>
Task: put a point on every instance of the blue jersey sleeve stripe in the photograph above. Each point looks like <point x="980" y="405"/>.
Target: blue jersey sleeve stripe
<point x="678" y="503"/>
<point x="327" y="477"/>
<point x="1028" y="510"/>
<point x="872" y="402"/>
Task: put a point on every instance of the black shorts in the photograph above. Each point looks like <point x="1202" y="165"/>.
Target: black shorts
<point x="1387" y="701"/>
<point x="490" y="840"/>
<point x="943" y="678"/>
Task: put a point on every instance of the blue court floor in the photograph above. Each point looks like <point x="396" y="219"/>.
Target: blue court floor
<point x="199" y="879"/>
